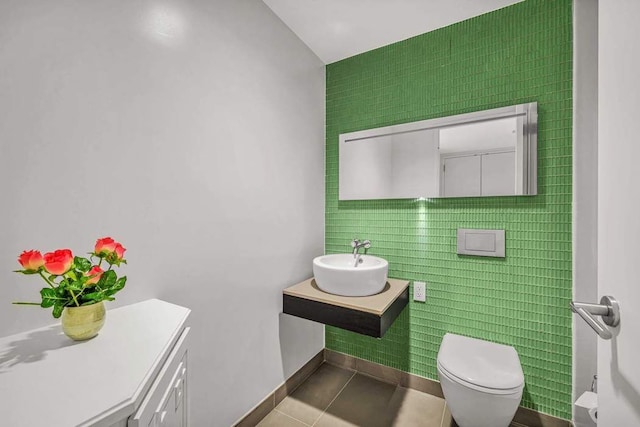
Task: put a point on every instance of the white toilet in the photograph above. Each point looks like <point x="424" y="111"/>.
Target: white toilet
<point x="481" y="381"/>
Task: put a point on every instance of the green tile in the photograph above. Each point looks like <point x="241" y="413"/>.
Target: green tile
<point x="517" y="54"/>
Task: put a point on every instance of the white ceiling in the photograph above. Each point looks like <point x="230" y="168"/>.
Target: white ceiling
<point x="338" y="29"/>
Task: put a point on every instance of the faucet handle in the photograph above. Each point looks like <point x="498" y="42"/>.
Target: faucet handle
<point x="366" y="244"/>
<point x="355" y="243"/>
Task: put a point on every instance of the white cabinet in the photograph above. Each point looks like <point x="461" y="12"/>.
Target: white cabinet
<point x="478" y="174"/>
<point x="460" y="176"/>
<point x="134" y="373"/>
<point x="165" y="404"/>
<point x="498" y="173"/>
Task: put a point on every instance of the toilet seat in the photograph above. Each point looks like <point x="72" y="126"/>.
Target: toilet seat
<point x="476" y="387"/>
<point x="480" y="365"/>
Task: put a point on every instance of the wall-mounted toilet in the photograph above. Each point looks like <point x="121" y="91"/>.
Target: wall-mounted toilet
<point x="481" y="381"/>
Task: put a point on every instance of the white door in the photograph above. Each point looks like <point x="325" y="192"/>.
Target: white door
<point x="619" y="208"/>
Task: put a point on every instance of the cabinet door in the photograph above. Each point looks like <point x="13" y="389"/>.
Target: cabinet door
<point x="173" y="412"/>
<point x="166" y="402"/>
<point x="168" y="416"/>
<point x="461" y="176"/>
<point x="499" y="174"/>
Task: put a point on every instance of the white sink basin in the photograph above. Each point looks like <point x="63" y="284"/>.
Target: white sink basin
<point x="338" y="274"/>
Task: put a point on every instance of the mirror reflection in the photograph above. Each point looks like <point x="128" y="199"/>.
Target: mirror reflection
<point x="486" y="153"/>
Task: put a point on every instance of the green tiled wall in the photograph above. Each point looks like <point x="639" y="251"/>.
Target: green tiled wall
<point x="518" y="54"/>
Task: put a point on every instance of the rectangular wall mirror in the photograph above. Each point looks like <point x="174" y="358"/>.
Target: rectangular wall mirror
<point x="484" y="153"/>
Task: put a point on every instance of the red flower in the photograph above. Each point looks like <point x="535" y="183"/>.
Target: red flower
<point x="95" y="273"/>
<point x="105" y="246"/>
<point x="58" y="262"/>
<point x="119" y="251"/>
<point x="31" y="260"/>
<point x="111" y="250"/>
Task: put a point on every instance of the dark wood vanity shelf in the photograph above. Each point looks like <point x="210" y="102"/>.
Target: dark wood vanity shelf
<point x="371" y="315"/>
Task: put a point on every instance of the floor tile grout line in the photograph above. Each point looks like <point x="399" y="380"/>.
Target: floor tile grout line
<point x="293" y="418"/>
<point x="336" y="396"/>
<point x="444" y="411"/>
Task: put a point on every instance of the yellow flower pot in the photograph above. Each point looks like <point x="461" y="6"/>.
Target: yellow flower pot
<point x="84" y="322"/>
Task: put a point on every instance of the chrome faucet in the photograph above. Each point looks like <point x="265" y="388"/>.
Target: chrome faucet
<point x="356" y="244"/>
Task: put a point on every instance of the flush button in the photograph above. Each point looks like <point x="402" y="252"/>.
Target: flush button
<point x="481" y="242"/>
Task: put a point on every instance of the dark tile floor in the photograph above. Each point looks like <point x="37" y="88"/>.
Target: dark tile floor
<point x="339" y="397"/>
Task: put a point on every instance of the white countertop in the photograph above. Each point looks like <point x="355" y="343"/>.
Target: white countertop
<point x="46" y="379"/>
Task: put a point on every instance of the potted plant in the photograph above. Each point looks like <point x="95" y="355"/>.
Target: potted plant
<point x="77" y="287"/>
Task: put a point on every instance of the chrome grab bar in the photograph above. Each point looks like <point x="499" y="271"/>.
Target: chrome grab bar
<point x="600" y="329"/>
<point x="608" y="309"/>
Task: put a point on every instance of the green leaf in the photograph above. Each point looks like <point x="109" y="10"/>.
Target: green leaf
<point x="94" y="296"/>
<point x="49" y="293"/>
<point x="46" y="303"/>
<point x="50" y="297"/>
<point x="120" y="283"/>
<point x="108" y="279"/>
<point x="75" y="286"/>
<point x="82" y="264"/>
<point x="26" y="272"/>
<point x="57" y="310"/>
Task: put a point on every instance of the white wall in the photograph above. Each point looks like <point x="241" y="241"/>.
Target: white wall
<point x="193" y="132"/>
<point x="585" y="195"/>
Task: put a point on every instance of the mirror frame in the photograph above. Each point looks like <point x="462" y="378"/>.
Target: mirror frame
<point x="527" y="153"/>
